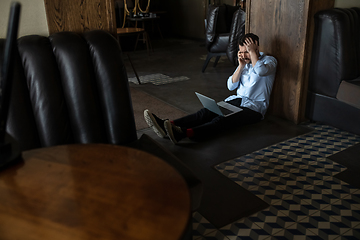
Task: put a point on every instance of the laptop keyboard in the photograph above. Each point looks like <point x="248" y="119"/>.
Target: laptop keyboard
<point x="225" y="111"/>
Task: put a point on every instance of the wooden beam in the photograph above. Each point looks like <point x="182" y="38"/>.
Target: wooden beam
<point x="285" y="29"/>
<point x="80" y="15"/>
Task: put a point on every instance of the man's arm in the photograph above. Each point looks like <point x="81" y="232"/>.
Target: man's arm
<point x="236" y="75"/>
<point x="253" y="50"/>
<point x="267" y="67"/>
<point x="262" y="69"/>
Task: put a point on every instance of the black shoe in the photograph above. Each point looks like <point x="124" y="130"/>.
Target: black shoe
<point x="175" y="133"/>
<point x="157" y="124"/>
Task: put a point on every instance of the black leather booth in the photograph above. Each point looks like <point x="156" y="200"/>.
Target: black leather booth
<point x="73" y="88"/>
<point x="225" y="25"/>
<point x="334" y="79"/>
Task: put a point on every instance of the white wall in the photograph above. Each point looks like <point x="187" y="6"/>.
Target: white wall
<point x="32" y="17"/>
<point x="347" y="3"/>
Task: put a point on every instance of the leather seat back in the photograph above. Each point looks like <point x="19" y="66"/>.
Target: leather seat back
<point x="220" y="21"/>
<point x="236" y="32"/>
<point x="70" y="88"/>
<point x="336" y="50"/>
<point x="225" y="26"/>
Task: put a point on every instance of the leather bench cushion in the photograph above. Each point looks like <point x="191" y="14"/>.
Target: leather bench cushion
<point x="349" y="92"/>
<point x="220" y="44"/>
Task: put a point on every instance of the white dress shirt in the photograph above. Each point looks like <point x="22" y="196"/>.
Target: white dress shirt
<point x="255" y="84"/>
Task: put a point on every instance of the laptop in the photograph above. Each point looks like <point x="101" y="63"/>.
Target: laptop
<point x="221" y="108"/>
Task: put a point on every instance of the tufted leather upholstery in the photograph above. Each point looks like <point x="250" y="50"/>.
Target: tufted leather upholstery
<point x="73" y="88"/>
<point x="70" y="88"/>
<point x="335" y="62"/>
<point x="225" y="25"/>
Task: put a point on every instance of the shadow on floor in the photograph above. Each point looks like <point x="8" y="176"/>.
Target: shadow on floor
<point x="224" y="201"/>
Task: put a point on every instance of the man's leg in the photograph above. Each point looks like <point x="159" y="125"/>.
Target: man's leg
<point x="156" y="123"/>
<point x="204" y="123"/>
<point x="187" y="122"/>
<point x="196" y="119"/>
<point x="179" y="128"/>
<point x="216" y="125"/>
<point x="222" y="124"/>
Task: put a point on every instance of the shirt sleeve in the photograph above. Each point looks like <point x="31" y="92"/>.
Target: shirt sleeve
<point x="266" y="67"/>
<point x="232" y="86"/>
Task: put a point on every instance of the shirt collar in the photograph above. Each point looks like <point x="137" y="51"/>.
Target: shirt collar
<point x="261" y="55"/>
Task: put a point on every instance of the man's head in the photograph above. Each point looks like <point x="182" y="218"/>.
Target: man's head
<point x="243" y="52"/>
<point x="254" y="37"/>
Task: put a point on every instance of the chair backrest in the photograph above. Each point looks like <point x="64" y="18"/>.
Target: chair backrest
<point x="224" y="18"/>
<point x="336" y="49"/>
<point x="220" y="20"/>
<point x="237" y="31"/>
<point x="70" y="88"/>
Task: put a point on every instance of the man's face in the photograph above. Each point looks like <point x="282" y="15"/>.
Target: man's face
<point x="244" y="54"/>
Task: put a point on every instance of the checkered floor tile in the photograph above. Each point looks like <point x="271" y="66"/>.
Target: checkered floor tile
<point x="157" y="79"/>
<point x="295" y="178"/>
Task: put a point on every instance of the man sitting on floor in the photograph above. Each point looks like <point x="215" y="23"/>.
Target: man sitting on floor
<point x="253" y="80"/>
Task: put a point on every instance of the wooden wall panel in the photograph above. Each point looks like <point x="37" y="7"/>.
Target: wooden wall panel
<point x="285" y="29"/>
<point x="80" y="15"/>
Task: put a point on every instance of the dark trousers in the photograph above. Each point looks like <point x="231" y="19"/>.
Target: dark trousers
<point x="206" y="123"/>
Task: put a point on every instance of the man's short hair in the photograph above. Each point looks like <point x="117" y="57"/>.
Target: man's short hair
<point x="254" y="37"/>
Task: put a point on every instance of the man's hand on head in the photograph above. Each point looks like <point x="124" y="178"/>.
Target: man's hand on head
<point x="250" y="45"/>
<point x="253" y="49"/>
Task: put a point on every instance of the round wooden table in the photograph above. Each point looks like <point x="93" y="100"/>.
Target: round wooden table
<point x="125" y="31"/>
<point x="93" y="191"/>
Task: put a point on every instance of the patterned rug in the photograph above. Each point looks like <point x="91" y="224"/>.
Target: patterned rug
<point x="157" y="79"/>
<point x="296" y="179"/>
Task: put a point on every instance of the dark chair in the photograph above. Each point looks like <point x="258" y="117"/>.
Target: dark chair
<point x="120" y="13"/>
<point x="225" y="25"/>
<point x="334" y="79"/>
<point x="73" y="88"/>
